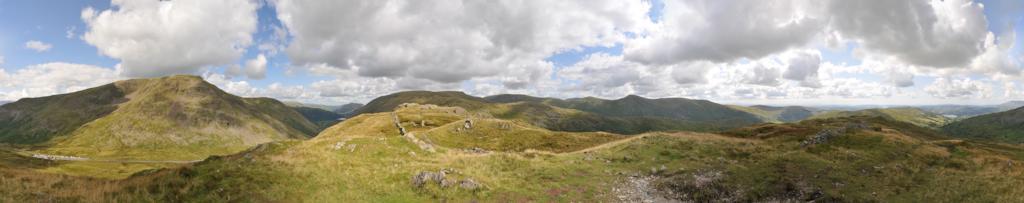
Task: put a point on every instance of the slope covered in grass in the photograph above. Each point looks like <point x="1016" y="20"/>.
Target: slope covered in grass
<point x="633" y="106"/>
<point x="364" y="159"/>
<point x="168" y="118"/>
<point x="777" y="114"/>
<point x="1007" y="126"/>
<point x="37" y="120"/>
<point x="905" y="114"/>
<point x="583" y="115"/>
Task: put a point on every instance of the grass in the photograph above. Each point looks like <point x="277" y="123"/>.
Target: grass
<point x="906" y="114"/>
<point x="888" y="161"/>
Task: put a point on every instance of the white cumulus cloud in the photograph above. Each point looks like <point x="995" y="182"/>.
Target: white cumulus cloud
<point x="52" y="78"/>
<point x="155" y="38"/>
<point x="450" y="41"/>
<point x="38" y="46"/>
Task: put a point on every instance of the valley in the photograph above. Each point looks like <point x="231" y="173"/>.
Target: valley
<point x="426" y="147"/>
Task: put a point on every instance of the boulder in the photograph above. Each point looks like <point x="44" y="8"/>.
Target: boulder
<point x="469" y="184"/>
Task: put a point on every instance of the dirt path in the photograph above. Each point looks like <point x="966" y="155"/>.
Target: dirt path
<point x="610" y="144"/>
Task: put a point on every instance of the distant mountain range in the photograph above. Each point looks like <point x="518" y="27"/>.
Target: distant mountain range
<point x="910" y="115"/>
<point x="175" y="117"/>
<point x="774" y="114"/>
<point x="324" y="115"/>
<point x="628" y="115"/>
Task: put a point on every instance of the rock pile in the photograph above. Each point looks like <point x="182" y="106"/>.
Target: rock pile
<point x="825" y="135"/>
<point x="58" y="157"/>
<point x="440" y="178"/>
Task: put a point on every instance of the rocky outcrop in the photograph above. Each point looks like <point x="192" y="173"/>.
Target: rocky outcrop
<point x="825" y="135"/>
<point x="441" y="179"/>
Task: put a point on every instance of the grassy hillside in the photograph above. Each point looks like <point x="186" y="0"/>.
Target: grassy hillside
<point x="37" y="120"/>
<point x="584" y="115"/>
<point x="365" y="159"/>
<point x="904" y="114"/>
<point x="633" y="106"/>
<point x="777" y="114"/>
<point x="168" y="118"/>
<point x="1005" y="126"/>
<point x="389" y="102"/>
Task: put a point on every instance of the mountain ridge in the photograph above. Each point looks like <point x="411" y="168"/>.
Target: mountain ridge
<point x="174" y="117"/>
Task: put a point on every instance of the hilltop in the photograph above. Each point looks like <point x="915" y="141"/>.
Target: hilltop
<point x="629" y="115"/>
<point x="637" y="106"/>
<point x="167" y="118"/>
<point x="910" y="115"/>
<point x="1005" y="126"/>
<point x="774" y="114"/>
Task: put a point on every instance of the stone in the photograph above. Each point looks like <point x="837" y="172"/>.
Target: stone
<point x="469" y="184"/>
<point x="424" y="177"/>
<point x="476" y="150"/>
<point x="423" y="123"/>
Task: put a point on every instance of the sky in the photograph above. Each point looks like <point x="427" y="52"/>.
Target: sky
<point x="796" y="52"/>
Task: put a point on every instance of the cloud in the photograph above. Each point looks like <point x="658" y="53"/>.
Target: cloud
<point x="803" y="67"/>
<point x="691" y="73"/>
<point x="998" y="57"/>
<point x="70" y="32"/>
<point x="602" y="71"/>
<point x="724" y="31"/>
<point x="900" y="79"/>
<point x="450" y="41"/>
<point x="38" y="46"/>
<point x="958" y="88"/>
<point x="52" y="78"/>
<point x="155" y="38"/>
<point x="928" y="33"/>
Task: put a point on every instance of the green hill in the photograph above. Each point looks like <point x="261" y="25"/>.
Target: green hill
<point x="367" y="159"/>
<point x="904" y="114"/>
<point x="777" y="114"/>
<point x="630" y="115"/>
<point x="1002" y="126"/>
<point x="449" y="98"/>
<point x="168" y="118"/>
<point x="636" y="106"/>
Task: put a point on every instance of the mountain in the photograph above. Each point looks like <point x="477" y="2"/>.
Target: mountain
<point x="347" y="110"/>
<point x="167" y="118"/>
<point x="629" y="115"/>
<point x="513" y="98"/>
<point x="960" y="111"/>
<point x="673" y="108"/>
<point x="777" y="114"/>
<point x="308" y="105"/>
<point x="903" y="114"/>
<point x="1003" y="126"/>
<point x="367" y="158"/>
<point x="447" y="98"/>
<point x="1010" y="105"/>
<point x="322" y="118"/>
<point x="636" y="106"/>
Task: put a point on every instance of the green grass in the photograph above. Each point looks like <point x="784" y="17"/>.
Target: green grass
<point x="168" y="118"/>
<point x="888" y="161"/>
<point x="909" y="115"/>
